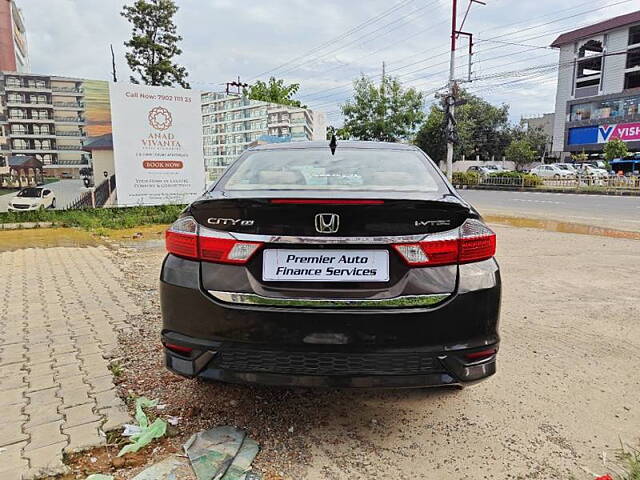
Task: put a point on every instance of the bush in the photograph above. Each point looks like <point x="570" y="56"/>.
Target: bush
<point x="466" y="178"/>
<point x="99" y="218"/>
<point x="532" y="180"/>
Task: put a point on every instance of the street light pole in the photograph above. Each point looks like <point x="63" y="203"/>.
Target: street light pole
<point x="450" y="107"/>
<point x="451" y="100"/>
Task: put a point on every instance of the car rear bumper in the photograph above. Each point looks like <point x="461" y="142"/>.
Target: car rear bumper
<point x="313" y="367"/>
<point x="330" y="347"/>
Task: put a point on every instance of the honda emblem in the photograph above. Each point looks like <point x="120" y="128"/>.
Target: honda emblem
<point x="327" y="223"/>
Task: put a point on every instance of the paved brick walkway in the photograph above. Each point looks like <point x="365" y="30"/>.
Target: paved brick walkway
<point x="60" y="310"/>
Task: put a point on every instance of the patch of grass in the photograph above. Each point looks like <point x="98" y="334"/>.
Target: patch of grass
<point x="629" y="459"/>
<point x="116" y="369"/>
<point x="99" y="218"/>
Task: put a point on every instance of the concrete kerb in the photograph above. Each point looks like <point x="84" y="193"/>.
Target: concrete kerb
<point x="26" y="225"/>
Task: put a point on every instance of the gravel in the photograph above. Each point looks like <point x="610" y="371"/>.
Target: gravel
<point x="566" y="390"/>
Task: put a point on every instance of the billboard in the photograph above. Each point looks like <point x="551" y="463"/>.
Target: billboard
<point x="157" y="141"/>
<point x="157" y="144"/>
<point x="592" y="134"/>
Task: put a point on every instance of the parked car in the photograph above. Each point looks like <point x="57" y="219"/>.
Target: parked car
<point x="569" y="167"/>
<point x="591" y="171"/>
<point x="497" y="168"/>
<point x="32" y="198"/>
<point x="552" y="171"/>
<point x="600" y="165"/>
<point x="362" y="268"/>
<point x="480" y="169"/>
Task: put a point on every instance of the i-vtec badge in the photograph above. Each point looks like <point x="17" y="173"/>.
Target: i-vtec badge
<point x="230" y="221"/>
<point x="433" y="223"/>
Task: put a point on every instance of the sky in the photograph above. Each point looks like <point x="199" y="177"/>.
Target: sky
<point x="325" y="45"/>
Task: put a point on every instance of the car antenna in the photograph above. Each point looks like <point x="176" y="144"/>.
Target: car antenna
<point x="333" y="144"/>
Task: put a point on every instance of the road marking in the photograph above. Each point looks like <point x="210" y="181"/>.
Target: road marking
<point x="536" y="201"/>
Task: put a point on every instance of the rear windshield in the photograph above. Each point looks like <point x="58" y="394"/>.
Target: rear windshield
<point x="348" y="169"/>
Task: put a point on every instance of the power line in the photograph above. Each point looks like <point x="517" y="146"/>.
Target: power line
<point x="580" y="5"/>
<point x="348" y="85"/>
<point x="333" y="52"/>
<point x="369" y="21"/>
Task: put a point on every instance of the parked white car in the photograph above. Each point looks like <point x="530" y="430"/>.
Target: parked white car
<point x="496" y="168"/>
<point x="570" y="167"/>
<point x="593" y="171"/>
<point x="552" y="171"/>
<point x="481" y="170"/>
<point x="32" y="198"/>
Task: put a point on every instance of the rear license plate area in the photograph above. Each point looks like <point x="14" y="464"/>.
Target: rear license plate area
<point x="307" y="265"/>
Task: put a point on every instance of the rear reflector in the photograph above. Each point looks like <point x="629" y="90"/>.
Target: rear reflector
<point x="310" y="201"/>
<point x="472" y="242"/>
<point x="481" y="354"/>
<point x="187" y="239"/>
<point x="178" y="348"/>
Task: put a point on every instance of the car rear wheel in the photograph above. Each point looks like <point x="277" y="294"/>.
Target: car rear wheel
<point x="53" y="203"/>
<point x="556" y="177"/>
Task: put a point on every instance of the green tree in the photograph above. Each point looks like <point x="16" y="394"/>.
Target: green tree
<point x="615" y="148"/>
<point x="431" y="136"/>
<point x="387" y="112"/>
<point x="483" y="129"/>
<point x="579" y="157"/>
<point x="340" y="133"/>
<point x="520" y="153"/>
<point x="537" y="139"/>
<point x="276" y="91"/>
<point x="154" y="43"/>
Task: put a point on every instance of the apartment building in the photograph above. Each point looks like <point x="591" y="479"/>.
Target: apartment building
<point x="42" y="116"/>
<point x="232" y="123"/>
<point x="598" y="95"/>
<point x="14" y="52"/>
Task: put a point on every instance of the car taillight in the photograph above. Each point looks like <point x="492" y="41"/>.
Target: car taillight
<point x="182" y="238"/>
<point x="186" y="238"/>
<point x="477" y="242"/>
<point x="472" y="242"/>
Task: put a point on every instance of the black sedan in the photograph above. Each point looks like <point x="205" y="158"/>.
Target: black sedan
<point x="354" y="265"/>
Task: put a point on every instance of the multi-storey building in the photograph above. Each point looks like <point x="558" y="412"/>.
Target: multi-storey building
<point x="232" y="123"/>
<point x="598" y="96"/>
<point x="42" y="116"/>
<point x="14" y="54"/>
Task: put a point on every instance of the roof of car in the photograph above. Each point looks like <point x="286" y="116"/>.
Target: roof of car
<point x="341" y="144"/>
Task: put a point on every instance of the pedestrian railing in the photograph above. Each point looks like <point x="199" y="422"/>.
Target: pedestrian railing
<point x="529" y="181"/>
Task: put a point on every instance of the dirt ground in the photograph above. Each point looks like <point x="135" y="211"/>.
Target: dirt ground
<point x="565" y="395"/>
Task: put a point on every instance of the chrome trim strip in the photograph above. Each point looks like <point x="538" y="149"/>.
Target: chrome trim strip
<point x="396" y="302"/>
<point x="249" y="237"/>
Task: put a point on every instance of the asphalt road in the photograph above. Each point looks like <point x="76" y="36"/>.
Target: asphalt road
<point x="599" y="210"/>
<point x="65" y="191"/>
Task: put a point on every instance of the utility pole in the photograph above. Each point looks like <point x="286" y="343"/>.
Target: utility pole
<point x="451" y="100"/>
<point x="382" y="94"/>
<point x="237" y="84"/>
